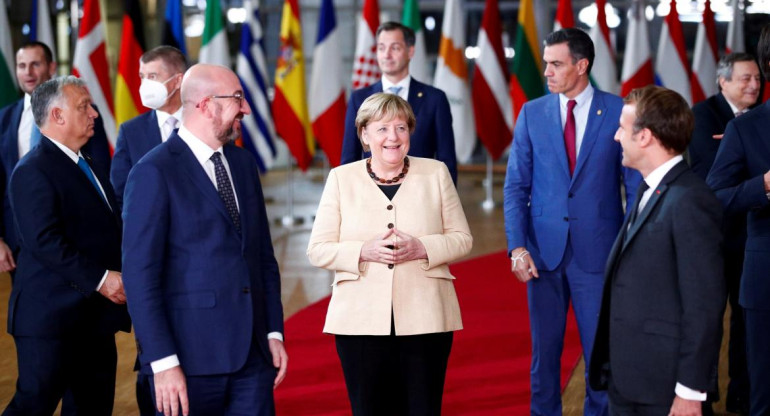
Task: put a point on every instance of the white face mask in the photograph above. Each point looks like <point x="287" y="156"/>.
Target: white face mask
<point x="154" y="94"/>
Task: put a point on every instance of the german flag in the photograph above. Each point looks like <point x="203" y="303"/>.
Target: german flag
<point x="128" y="104"/>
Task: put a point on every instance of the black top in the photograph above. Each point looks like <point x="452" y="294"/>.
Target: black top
<point x="390" y="190"/>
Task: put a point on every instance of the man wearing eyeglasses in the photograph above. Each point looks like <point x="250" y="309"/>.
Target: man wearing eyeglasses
<point x="199" y="271"/>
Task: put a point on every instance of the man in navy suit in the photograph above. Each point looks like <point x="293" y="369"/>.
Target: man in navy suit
<point x="563" y="208"/>
<point x="433" y="136"/>
<point x="740" y="177"/>
<point x="67" y="298"/>
<point x="202" y="281"/>
<point x="34" y="65"/>
<point x="161" y="71"/>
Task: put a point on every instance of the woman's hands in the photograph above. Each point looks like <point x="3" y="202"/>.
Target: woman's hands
<point x="393" y="247"/>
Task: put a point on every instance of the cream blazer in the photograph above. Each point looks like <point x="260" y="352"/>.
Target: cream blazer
<point x="353" y="210"/>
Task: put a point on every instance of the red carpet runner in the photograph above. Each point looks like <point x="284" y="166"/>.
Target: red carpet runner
<point x="489" y="367"/>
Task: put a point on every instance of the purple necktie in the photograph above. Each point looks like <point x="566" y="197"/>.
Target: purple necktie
<point x="569" y="136"/>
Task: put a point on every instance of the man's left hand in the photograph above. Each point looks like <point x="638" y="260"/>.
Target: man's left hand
<point x="684" y="407"/>
<point x="280" y="359"/>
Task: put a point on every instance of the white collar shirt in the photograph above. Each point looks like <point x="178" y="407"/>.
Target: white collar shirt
<point x="582" y="106"/>
<point x="162" y="117"/>
<point x="203" y="153"/>
<point x="25" y="127"/>
<point x="654" y="178"/>
<point x="404" y="84"/>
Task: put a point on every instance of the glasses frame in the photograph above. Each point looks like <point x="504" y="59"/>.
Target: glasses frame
<point x="238" y="96"/>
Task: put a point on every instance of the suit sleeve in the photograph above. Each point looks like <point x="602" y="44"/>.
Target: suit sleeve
<point x="98" y="147"/>
<point x="518" y="184"/>
<point x="703" y="147"/>
<point x="351" y="146"/>
<point x="121" y="165"/>
<point x="445" y="136"/>
<point x="40" y="223"/>
<point x="729" y="179"/>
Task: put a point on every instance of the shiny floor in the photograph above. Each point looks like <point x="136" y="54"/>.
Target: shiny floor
<point x="303" y="284"/>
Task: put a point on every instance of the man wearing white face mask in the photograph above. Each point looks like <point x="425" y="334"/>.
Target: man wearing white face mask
<point x="161" y="71"/>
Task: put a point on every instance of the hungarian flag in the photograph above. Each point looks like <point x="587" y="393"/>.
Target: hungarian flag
<point x="40" y="28"/>
<point x="289" y="104"/>
<point x="214" y="47"/>
<point x="735" y="40"/>
<point x="327" y="86"/>
<point x="418" y="66"/>
<point x="704" y="61"/>
<point x="671" y="67"/>
<point x="128" y="103"/>
<point x="8" y="90"/>
<point x="90" y="64"/>
<point x="564" y="16"/>
<point x="604" y="73"/>
<point x="637" y="61"/>
<point x="491" y="100"/>
<point x="173" y="26"/>
<point x="452" y="78"/>
<point x="365" y="69"/>
<point x="527" y="78"/>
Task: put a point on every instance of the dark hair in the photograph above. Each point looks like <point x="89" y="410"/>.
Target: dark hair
<point x="171" y="56"/>
<point x="727" y="62"/>
<point x="35" y="44"/>
<point x="665" y="113"/>
<point x="579" y="43"/>
<point x="409" y="38"/>
<point x="763" y="51"/>
<point x="49" y="94"/>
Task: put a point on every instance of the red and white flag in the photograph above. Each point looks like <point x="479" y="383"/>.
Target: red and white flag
<point x="735" y="40"/>
<point x="365" y="68"/>
<point x="604" y="72"/>
<point x="90" y="64"/>
<point x="637" y="61"/>
<point x="671" y="67"/>
<point x="705" y="56"/>
<point x="564" y="16"/>
<point x="491" y="100"/>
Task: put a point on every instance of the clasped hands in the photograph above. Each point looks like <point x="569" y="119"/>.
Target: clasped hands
<point x="389" y="250"/>
<point x="522" y="265"/>
<point x="112" y="288"/>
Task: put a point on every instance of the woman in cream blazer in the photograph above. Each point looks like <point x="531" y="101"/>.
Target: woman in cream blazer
<point x="393" y="305"/>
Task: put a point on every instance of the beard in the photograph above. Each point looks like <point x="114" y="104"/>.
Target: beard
<point x="226" y="134"/>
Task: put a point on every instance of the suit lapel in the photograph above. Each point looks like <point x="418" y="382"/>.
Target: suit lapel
<point x="725" y="111"/>
<point x="11" y="142"/>
<point x="596" y="118"/>
<point x="555" y="132"/>
<point x="153" y="132"/>
<point x="762" y="136"/>
<point x="416" y="95"/>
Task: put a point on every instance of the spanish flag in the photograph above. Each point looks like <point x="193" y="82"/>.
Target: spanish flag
<point x="128" y="104"/>
<point x="527" y="79"/>
<point x="290" y="105"/>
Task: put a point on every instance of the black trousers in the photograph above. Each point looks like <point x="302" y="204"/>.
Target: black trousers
<point x="395" y="375"/>
<point x="621" y="406"/>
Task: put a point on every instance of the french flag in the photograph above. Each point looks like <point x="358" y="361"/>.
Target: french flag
<point x="671" y="67"/>
<point x="327" y="88"/>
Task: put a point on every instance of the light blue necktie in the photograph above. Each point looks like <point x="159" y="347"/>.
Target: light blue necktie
<point x="34" y="136"/>
<point x="83" y="165"/>
<point x="395" y="89"/>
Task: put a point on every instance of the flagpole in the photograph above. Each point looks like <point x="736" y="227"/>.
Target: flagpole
<point x="489" y="202"/>
<point x="289" y="220"/>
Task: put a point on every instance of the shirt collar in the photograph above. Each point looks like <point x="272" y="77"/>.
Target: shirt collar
<point x="584" y="97"/>
<point x="404" y="83"/>
<point x="163" y="116"/>
<point x="67" y="151"/>
<point x="657" y="175"/>
<point x="733" y="107"/>
<point x="27" y="101"/>
<point x="201" y="151"/>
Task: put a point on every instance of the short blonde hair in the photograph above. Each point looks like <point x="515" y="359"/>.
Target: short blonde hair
<point x="383" y="106"/>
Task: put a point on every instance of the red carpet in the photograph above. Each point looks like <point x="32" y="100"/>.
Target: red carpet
<point x="489" y="367"/>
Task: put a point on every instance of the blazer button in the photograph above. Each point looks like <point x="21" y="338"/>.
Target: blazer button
<point x="246" y="290"/>
<point x="390" y="266"/>
<point x="566" y="218"/>
<point x="571" y="195"/>
<point x="390" y="225"/>
<point x="390" y="207"/>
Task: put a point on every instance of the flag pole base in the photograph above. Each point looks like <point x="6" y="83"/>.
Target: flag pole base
<point x="489" y="202"/>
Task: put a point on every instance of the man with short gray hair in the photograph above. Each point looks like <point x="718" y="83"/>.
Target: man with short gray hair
<point x="67" y="298"/>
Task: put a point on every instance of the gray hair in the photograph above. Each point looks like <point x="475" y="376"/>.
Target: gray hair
<point x="727" y="62"/>
<point x="49" y="93"/>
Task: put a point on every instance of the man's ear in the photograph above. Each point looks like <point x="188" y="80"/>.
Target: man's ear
<point x="52" y="69"/>
<point x="582" y="66"/>
<point x="56" y="116"/>
<point x="411" y="52"/>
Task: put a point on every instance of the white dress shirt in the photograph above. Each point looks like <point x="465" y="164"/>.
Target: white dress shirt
<point x="162" y="117"/>
<point x="582" y="107"/>
<point x="404" y="84"/>
<point x="25" y="127"/>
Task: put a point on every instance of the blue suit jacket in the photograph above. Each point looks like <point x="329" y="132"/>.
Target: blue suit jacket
<point x="69" y="237"/>
<point x="433" y="136"/>
<point x="136" y="137"/>
<point x="737" y="179"/>
<point x="544" y="206"/>
<point x="195" y="287"/>
<point x="97" y="147"/>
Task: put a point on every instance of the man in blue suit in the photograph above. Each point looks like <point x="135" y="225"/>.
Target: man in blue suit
<point x="161" y="71"/>
<point x="433" y="136"/>
<point x="563" y="208"/>
<point x="740" y="177"/>
<point x="18" y="134"/>
<point x="67" y="297"/>
<point x="202" y="281"/>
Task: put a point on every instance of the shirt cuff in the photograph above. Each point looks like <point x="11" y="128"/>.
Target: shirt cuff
<point x="275" y="335"/>
<point x="101" y="282"/>
<point x="164" y="364"/>
<point x="688" y="393"/>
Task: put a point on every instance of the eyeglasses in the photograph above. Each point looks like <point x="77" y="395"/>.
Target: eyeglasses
<point x="238" y="96"/>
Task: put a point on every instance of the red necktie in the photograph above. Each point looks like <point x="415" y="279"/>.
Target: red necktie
<point x="569" y="136"/>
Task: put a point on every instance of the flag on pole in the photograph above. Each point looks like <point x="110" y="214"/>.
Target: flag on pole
<point x="637" y="61"/>
<point x="258" y="132"/>
<point x="128" y="103"/>
<point x="8" y="90"/>
<point x="564" y="16"/>
<point x="289" y="104"/>
<point x="173" y="26"/>
<point x="418" y="66"/>
<point x="672" y="70"/>
<point x="41" y="29"/>
<point x="327" y="86"/>
<point x="214" y="47"/>
<point x="705" y="56"/>
<point x="735" y="40"/>
<point x="604" y="72"/>
<point x="527" y="78"/>
<point x="452" y="78"/>
<point x="491" y="100"/>
<point x="365" y="68"/>
<point x="90" y="64"/>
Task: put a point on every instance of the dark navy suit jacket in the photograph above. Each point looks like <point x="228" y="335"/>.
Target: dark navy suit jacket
<point x="195" y="286"/>
<point x="136" y="137"/>
<point x="69" y="237"/>
<point x="98" y="148"/>
<point x="433" y="136"/>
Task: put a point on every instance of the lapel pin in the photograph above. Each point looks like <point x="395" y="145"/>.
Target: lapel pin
<point x="657" y="191"/>
<point x="598" y="112"/>
<point x="419" y="94"/>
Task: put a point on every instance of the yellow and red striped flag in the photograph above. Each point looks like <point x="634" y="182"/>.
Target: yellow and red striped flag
<point x="128" y="104"/>
<point x="527" y="78"/>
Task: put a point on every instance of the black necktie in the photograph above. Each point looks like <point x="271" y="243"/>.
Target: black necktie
<point x="225" y="189"/>
<point x="639" y="193"/>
